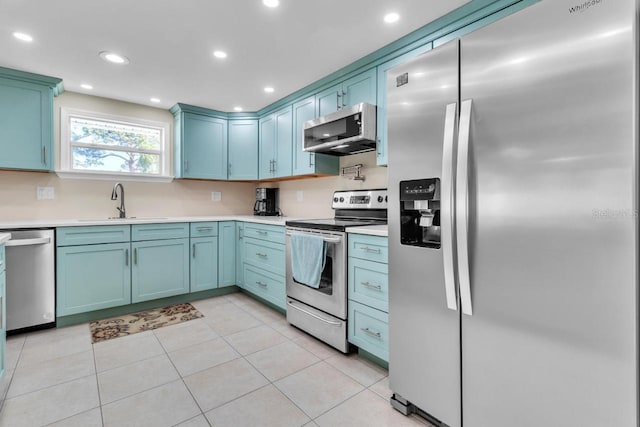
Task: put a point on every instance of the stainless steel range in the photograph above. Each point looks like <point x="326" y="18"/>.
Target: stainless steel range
<point x="322" y="310"/>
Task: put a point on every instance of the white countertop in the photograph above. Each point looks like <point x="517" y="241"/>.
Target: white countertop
<point x="4" y="237"/>
<point x="371" y="230"/>
<point x="7" y="225"/>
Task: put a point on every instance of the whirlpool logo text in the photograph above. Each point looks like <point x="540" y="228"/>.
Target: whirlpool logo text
<point x="584" y="6"/>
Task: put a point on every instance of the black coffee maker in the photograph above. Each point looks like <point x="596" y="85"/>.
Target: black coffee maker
<point x="266" y="202"/>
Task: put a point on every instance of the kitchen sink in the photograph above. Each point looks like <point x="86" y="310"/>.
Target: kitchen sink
<point x="131" y="218"/>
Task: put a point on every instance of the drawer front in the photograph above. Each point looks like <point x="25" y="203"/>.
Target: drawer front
<point x="204" y="229"/>
<point x="270" y="233"/>
<point x="265" y="255"/>
<point x="372" y="248"/>
<point x="369" y="283"/>
<point x="74" y="236"/>
<point x="369" y="329"/>
<point x="178" y="230"/>
<point x="265" y="285"/>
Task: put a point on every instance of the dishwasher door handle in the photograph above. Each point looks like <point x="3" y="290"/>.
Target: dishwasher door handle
<point x="29" y="242"/>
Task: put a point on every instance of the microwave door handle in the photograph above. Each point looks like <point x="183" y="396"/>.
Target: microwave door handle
<point x="462" y="207"/>
<point x="446" y="206"/>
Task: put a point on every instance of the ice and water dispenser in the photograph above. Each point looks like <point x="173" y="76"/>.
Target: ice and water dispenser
<point x="420" y="212"/>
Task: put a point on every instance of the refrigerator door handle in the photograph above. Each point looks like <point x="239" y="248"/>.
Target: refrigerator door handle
<point x="446" y="206"/>
<point x="462" y="207"/>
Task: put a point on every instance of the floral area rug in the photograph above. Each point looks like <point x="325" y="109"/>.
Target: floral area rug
<point x="121" y="326"/>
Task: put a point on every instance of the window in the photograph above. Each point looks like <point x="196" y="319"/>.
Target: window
<point x="99" y="144"/>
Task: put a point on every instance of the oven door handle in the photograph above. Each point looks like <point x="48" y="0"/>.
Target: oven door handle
<point x="314" y="315"/>
<point x="326" y="239"/>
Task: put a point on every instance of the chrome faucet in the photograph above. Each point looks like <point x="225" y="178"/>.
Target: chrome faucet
<point x="114" y="196"/>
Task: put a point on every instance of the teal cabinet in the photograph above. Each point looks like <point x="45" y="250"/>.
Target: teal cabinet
<point x="200" y="143"/>
<point x="381" y="120"/>
<point x="160" y="269"/>
<point x="276" y="144"/>
<point x="357" y="89"/>
<point x="304" y="162"/>
<point x="160" y="266"/>
<point x="226" y="259"/>
<point x="263" y="260"/>
<point x="204" y="263"/>
<point x="92" y="277"/>
<point x="368" y="294"/>
<point x="243" y="150"/>
<point x="239" y="254"/>
<point x="26" y="124"/>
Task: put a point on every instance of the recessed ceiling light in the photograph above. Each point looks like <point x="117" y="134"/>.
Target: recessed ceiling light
<point x="271" y="3"/>
<point x="269" y="89"/>
<point x="114" y="58"/>
<point x="237" y="108"/>
<point x="22" y="36"/>
<point x="220" y="54"/>
<point x="390" y="18"/>
<point x="155" y="100"/>
<point x="86" y="86"/>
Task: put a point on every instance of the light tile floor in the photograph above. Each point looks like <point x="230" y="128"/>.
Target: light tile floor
<point x="241" y="364"/>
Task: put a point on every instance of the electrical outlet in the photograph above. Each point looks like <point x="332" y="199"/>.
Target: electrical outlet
<point x="299" y="195"/>
<point x="45" y="193"/>
<point x="216" y="196"/>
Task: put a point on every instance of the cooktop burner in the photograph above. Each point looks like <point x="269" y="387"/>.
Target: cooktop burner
<point x="353" y="208"/>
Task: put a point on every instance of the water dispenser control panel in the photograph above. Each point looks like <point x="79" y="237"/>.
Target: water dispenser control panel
<point x="420" y="212"/>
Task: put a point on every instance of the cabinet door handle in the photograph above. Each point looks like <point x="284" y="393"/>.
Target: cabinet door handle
<point x="135" y="256"/>
<point x="344" y="96"/>
<point x="372" y="286"/>
<point x="44" y="155"/>
<point x="371" y="333"/>
<point x="229" y="169"/>
<point x="378" y="141"/>
<point x="311" y="156"/>
<point x="126" y="257"/>
<point x="194" y="250"/>
<point x="186" y="165"/>
<point x="339" y="101"/>
<point x="371" y="250"/>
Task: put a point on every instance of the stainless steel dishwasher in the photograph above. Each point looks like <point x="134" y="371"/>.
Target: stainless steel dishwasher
<point x="31" y="284"/>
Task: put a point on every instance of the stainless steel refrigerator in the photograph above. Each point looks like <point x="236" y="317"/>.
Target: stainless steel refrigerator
<point x="513" y="229"/>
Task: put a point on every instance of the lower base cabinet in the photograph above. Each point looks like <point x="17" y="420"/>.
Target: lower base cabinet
<point x="266" y="285"/>
<point x="160" y="269"/>
<point x="92" y="277"/>
<point x="204" y="263"/>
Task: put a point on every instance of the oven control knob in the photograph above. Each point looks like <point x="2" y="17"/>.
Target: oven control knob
<point x="341" y="199"/>
<point x="385" y="198"/>
<point x="335" y="200"/>
<point x="380" y="199"/>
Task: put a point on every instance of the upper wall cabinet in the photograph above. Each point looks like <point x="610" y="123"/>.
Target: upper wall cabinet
<point x="304" y="162"/>
<point x="26" y="120"/>
<point x="276" y="143"/>
<point x="200" y="145"/>
<point x="243" y="149"/>
<point x="357" y="89"/>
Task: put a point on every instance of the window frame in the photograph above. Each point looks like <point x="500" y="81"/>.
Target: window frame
<point x="66" y="147"/>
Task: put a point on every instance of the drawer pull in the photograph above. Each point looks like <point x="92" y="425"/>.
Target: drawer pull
<point x="261" y="255"/>
<point x="371" y="286"/>
<point x="259" y="283"/>
<point x="264" y="233"/>
<point x="371" y="333"/>
<point x="204" y="228"/>
<point x="371" y="250"/>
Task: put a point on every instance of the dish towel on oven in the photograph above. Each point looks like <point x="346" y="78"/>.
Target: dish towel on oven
<point x="307" y="259"/>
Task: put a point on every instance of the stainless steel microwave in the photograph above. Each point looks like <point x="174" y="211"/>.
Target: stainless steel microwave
<point x="348" y="131"/>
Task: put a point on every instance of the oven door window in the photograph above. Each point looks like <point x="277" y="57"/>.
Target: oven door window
<point x="326" y="278"/>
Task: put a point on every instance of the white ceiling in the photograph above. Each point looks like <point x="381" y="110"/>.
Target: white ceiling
<point x="170" y="44"/>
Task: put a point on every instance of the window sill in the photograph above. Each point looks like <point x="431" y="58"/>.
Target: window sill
<point x="111" y="176"/>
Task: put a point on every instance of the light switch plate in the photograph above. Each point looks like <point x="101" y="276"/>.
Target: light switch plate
<point x="299" y="195"/>
<point x="45" y="193"/>
<point x="216" y="196"/>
